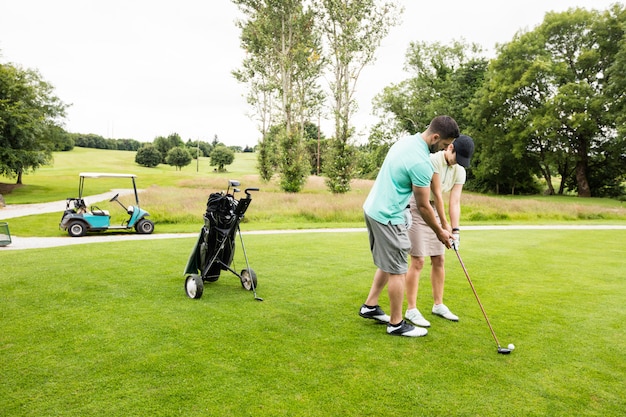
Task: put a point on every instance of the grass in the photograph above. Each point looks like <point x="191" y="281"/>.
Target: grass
<point x="106" y="329"/>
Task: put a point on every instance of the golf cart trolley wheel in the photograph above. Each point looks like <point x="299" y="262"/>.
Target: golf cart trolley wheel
<point x="76" y="228"/>
<point x="194" y="286"/>
<point x="145" y="227"/>
<point x="248" y="279"/>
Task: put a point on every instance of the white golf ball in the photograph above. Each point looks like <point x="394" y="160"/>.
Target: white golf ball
<point x="511" y="346"/>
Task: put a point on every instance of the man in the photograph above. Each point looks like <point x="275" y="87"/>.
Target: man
<point x="449" y="177"/>
<point x="406" y="171"/>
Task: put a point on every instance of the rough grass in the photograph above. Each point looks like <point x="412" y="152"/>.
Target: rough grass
<point x="176" y="200"/>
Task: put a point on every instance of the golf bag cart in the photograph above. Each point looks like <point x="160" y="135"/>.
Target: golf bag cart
<point x="78" y="219"/>
<point x="215" y="248"/>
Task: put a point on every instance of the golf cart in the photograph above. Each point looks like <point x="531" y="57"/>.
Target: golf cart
<point x="78" y="219"/>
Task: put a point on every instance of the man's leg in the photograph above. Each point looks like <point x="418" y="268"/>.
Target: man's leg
<point x="380" y="280"/>
<point x="395" y="287"/>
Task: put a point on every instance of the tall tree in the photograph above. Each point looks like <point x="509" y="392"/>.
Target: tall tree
<point x="353" y="30"/>
<point x="164" y="144"/>
<point x="282" y="67"/>
<point x="545" y="98"/>
<point x="30" y="117"/>
<point x="443" y="80"/>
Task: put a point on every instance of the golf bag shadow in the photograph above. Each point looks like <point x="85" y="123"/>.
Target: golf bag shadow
<point x="215" y="248"/>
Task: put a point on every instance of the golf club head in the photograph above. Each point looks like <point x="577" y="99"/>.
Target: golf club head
<point x="504" y="351"/>
<point x="258" y="298"/>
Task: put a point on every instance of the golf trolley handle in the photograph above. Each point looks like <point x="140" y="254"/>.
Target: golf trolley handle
<point x="247" y="191"/>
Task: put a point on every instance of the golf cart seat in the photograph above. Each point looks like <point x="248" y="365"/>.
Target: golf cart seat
<point x="96" y="211"/>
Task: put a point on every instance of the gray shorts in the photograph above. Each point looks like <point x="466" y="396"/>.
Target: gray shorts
<point x="389" y="245"/>
<point x="424" y="241"/>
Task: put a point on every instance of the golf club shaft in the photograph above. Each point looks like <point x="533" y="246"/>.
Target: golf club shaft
<point x="245" y="256"/>
<point x="477" y="299"/>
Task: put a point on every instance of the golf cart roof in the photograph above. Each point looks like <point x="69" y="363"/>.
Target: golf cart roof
<point x="104" y="174"/>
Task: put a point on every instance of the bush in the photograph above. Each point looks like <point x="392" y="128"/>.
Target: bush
<point x="222" y="156"/>
<point x="178" y="157"/>
<point x="148" y="156"/>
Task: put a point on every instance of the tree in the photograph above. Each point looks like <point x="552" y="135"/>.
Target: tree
<point x="29" y="121"/>
<point x="267" y="156"/>
<point x="316" y="147"/>
<point x="164" y="144"/>
<point x="281" y="69"/>
<point x="222" y="156"/>
<point x="443" y="80"/>
<point x="61" y="140"/>
<point x="148" y="156"/>
<point x="353" y="30"/>
<point x="178" y="156"/>
<point x="545" y="100"/>
<point x="194" y="145"/>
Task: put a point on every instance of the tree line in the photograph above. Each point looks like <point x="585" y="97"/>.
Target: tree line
<point x="547" y="113"/>
<point x="548" y="109"/>
<point x="31" y="130"/>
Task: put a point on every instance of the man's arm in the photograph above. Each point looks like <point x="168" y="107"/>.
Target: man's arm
<point x="435" y="187"/>
<point x="422" y="199"/>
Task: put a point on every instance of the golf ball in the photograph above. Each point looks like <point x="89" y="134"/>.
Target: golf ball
<point x="511" y="346"/>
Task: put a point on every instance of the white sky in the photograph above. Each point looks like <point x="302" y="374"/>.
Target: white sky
<point x="139" y="69"/>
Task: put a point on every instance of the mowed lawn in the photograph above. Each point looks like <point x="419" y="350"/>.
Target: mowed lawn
<point x="107" y="330"/>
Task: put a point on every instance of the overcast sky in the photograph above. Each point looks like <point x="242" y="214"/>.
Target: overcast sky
<point x="140" y="69"/>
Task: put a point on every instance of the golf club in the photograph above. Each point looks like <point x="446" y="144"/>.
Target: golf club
<point x="501" y="350"/>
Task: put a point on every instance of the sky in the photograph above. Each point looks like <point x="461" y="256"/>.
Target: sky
<point x="139" y="69"/>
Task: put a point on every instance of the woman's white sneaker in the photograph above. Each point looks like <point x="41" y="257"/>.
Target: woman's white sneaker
<point x="414" y="316"/>
<point x="443" y="311"/>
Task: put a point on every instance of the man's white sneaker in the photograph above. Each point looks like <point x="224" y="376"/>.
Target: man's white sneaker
<point x="414" y="316"/>
<point x="443" y="311"/>
<point x="374" y="313"/>
<point x="405" y="329"/>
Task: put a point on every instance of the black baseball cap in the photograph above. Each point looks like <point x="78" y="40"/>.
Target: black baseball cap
<point x="464" y="148"/>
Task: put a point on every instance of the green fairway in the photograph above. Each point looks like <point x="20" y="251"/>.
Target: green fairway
<point x="107" y="330"/>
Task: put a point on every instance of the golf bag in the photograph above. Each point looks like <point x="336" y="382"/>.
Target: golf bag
<point x="215" y="249"/>
<point x="218" y="234"/>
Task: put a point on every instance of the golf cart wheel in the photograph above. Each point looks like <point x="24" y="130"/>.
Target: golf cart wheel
<point x="194" y="286"/>
<point x="248" y="279"/>
<point x="76" y="228"/>
<point x="145" y="227"/>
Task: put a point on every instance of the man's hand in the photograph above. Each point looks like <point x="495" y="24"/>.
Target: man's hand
<point x="445" y="237"/>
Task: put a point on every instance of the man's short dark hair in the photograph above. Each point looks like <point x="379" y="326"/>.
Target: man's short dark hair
<point x="445" y="126"/>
